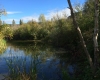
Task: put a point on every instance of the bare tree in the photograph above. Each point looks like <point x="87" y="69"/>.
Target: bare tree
<point x="80" y="36"/>
<point x="95" y="36"/>
<point x="2" y="11"/>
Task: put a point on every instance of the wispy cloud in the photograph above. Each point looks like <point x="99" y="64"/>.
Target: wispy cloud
<point x="10" y="20"/>
<point x="50" y="14"/>
<point x="61" y="13"/>
<point x="13" y="12"/>
<point x="28" y="18"/>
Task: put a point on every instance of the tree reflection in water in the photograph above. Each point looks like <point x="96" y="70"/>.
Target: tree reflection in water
<point x="44" y="61"/>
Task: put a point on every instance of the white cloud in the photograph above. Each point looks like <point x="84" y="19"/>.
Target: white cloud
<point x="60" y="13"/>
<point x="10" y="20"/>
<point x="50" y="14"/>
<point x="28" y="18"/>
<point x="13" y="12"/>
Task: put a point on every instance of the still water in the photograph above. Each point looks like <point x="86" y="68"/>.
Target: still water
<point x="49" y="62"/>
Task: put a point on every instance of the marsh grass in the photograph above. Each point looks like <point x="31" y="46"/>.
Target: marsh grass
<point x="22" y="68"/>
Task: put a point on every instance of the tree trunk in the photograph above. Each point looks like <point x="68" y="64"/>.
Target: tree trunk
<point x="95" y="36"/>
<point x="80" y="36"/>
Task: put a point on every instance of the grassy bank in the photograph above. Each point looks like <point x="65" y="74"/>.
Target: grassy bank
<point x="2" y="44"/>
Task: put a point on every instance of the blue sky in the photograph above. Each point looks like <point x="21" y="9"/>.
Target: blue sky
<point x="31" y="9"/>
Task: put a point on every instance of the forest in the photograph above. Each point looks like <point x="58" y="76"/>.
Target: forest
<point x="60" y="32"/>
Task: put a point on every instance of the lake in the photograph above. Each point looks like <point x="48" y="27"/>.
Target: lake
<point x="49" y="63"/>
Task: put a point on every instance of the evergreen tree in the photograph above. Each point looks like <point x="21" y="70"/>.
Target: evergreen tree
<point x="4" y="22"/>
<point x="0" y="22"/>
<point x="13" y="22"/>
<point x="21" y="22"/>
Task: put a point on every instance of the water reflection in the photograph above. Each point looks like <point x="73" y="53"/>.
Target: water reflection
<point x="47" y="61"/>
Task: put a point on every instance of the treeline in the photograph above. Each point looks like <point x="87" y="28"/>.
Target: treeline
<point x="58" y="31"/>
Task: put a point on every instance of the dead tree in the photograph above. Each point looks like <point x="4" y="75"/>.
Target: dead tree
<point x="95" y="36"/>
<point x="80" y="36"/>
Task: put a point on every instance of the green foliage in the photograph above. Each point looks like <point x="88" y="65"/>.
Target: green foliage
<point x="89" y="8"/>
<point x="59" y="31"/>
<point x="42" y="18"/>
<point x="7" y="31"/>
<point x="2" y="44"/>
<point x="26" y="32"/>
<point x="56" y="32"/>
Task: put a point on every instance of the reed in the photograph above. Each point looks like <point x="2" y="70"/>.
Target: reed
<point x="18" y="69"/>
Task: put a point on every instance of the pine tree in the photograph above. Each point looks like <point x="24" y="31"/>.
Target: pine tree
<point x="13" y="22"/>
<point x="21" y="22"/>
<point x="0" y="22"/>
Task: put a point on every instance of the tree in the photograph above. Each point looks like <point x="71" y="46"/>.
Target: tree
<point x="95" y="36"/>
<point x="42" y="18"/>
<point x="89" y="7"/>
<point x="0" y="22"/>
<point x="2" y="12"/>
<point x="13" y="22"/>
<point x="21" y="22"/>
<point x="94" y="65"/>
<point x="4" y="22"/>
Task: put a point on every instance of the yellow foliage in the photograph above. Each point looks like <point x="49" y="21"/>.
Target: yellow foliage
<point x="2" y="45"/>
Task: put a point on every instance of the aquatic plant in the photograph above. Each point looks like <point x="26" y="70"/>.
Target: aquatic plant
<point x="22" y="68"/>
